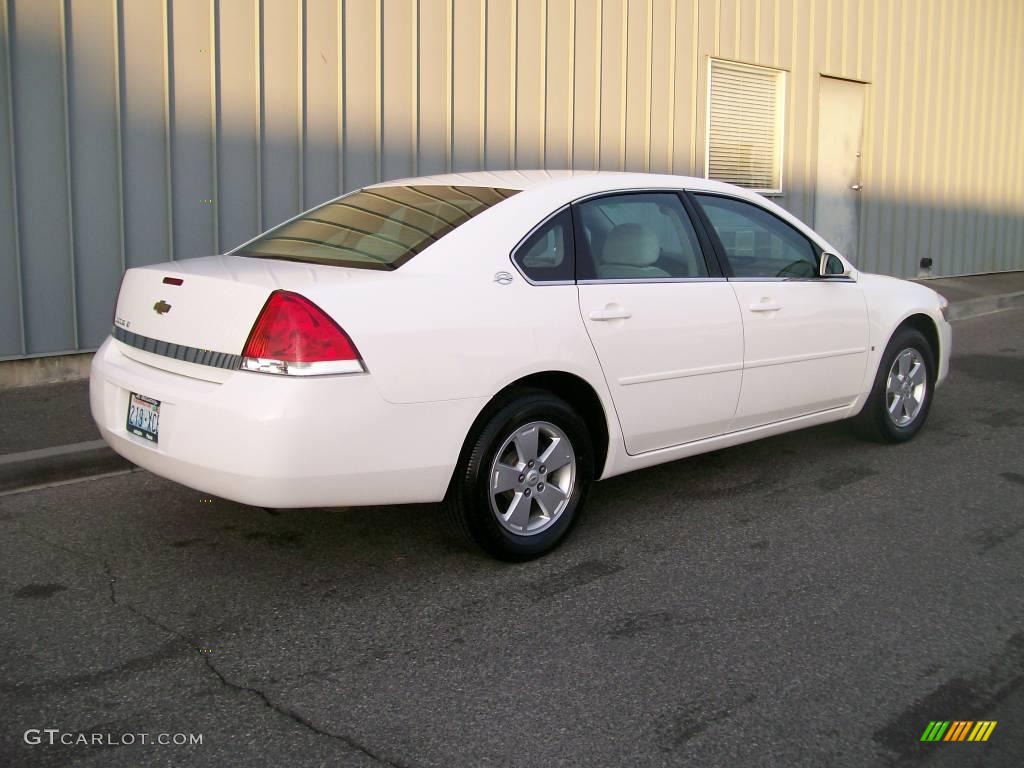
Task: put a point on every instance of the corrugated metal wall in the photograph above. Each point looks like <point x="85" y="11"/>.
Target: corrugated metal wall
<point x="134" y="131"/>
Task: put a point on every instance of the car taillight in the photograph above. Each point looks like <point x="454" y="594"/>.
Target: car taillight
<point x="293" y="336"/>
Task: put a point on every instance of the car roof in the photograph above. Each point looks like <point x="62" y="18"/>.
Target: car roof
<point x="568" y="182"/>
<point x="544" y="192"/>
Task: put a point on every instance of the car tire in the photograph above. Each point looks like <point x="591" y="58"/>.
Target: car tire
<point x="503" y="498"/>
<point x="887" y="416"/>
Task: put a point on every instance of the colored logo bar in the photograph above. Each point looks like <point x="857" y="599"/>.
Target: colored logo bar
<point x="958" y="730"/>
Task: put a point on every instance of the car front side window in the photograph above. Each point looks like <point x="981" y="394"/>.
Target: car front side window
<point x="757" y="243"/>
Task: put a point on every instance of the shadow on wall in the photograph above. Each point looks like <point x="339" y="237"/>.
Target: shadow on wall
<point x="896" y="233"/>
<point x="114" y="166"/>
<point x="258" y="186"/>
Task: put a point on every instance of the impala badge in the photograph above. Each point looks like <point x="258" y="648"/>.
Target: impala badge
<point x="502" y="278"/>
<point x="161" y="307"/>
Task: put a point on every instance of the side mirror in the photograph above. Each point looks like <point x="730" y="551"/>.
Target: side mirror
<point x="830" y="265"/>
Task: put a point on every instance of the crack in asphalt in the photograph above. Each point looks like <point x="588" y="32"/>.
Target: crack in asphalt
<point x="280" y="709"/>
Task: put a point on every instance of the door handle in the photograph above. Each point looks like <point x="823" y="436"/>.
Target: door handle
<point x="856" y="187"/>
<point x="765" y="306"/>
<point x="611" y="312"/>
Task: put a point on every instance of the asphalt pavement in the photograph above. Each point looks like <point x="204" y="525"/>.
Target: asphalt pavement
<point x="806" y="600"/>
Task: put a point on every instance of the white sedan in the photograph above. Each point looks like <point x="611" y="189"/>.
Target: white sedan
<point x="499" y="341"/>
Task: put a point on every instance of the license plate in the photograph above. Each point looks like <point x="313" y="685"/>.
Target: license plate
<point x="143" y="417"/>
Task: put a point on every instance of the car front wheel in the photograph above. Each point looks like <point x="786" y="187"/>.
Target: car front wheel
<point x="902" y="393"/>
<point x="521" y="483"/>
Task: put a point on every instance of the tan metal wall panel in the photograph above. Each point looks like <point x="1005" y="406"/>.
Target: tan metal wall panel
<point x="636" y="125"/>
<point x="361" y="89"/>
<point x="662" y="86"/>
<point x="469" y="81"/>
<point x="612" y="120"/>
<point x="321" y="126"/>
<point x="1015" y="167"/>
<point x="432" y="154"/>
<point x="530" y="62"/>
<point x="500" y="95"/>
<point x="559" y="53"/>
<point x="166" y="130"/>
<point x="586" y="96"/>
<point x="398" y="88"/>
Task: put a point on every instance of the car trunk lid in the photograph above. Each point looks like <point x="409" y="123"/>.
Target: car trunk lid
<point x="194" y="316"/>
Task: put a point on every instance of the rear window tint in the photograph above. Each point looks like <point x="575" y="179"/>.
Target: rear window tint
<point x="379" y="228"/>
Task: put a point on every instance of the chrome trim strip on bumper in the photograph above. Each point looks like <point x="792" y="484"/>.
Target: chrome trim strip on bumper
<point x="178" y="351"/>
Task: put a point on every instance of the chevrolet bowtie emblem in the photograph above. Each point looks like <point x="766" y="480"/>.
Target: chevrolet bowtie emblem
<point x="161" y="307"/>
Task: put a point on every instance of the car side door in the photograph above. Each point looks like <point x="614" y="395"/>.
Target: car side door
<point x="663" y="320"/>
<point x="805" y="336"/>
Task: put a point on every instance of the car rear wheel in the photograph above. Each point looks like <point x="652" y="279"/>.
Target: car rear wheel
<point x="902" y="393"/>
<point x="521" y="482"/>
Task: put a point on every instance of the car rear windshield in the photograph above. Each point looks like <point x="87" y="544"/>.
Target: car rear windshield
<point x="378" y="228"/>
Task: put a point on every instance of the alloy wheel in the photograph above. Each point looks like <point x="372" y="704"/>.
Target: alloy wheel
<point x="532" y="478"/>
<point x="905" y="387"/>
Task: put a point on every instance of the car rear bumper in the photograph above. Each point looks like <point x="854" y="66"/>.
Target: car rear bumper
<point x="278" y="442"/>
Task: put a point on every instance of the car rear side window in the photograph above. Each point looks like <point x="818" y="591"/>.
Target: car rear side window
<point x="756" y="242"/>
<point x="547" y="254"/>
<point x="377" y="228"/>
<point x="633" y="236"/>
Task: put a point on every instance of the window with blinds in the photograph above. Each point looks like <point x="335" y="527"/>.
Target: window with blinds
<point x="745" y="123"/>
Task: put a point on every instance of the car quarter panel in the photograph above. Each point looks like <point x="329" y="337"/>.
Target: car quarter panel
<point x="890" y="302"/>
<point x="443" y="327"/>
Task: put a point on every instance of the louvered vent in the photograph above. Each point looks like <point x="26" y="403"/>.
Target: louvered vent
<point x="745" y="125"/>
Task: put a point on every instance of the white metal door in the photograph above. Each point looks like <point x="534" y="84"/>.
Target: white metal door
<point x="672" y="354"/>
<point x="805" y="348"/>
<point x="836" y="198"/>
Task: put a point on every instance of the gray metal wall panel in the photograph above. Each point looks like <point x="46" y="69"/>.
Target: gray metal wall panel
<point x="144" y="132"/>
<point x="282" y="108"/>
<point x="194" y="124"/>
<point x="193" y="183"/>
<point x="238" y="122"/>
<point x="10" y="261"/>
<point x="39" y="135"/>
<point x="95" y="163"/>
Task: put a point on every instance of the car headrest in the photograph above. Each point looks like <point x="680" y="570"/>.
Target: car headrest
<point x="631" y="244"/>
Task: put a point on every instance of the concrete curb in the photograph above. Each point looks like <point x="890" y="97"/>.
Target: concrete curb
<point x="79" y="460"/>
<point x="984" y="305"/>
<point x="58" y="464"/>
<point x="52" y="369"/>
